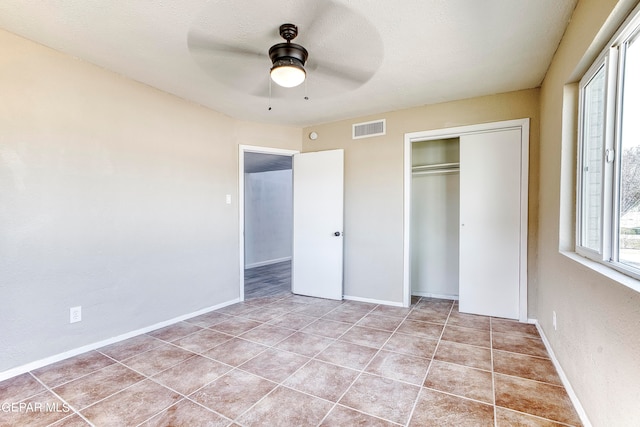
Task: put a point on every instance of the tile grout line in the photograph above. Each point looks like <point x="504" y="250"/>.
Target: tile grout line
<point x="278" y="384"/>
<point x="77" y="411"/>
<point x="537" y="417"/>
<point x="36" y="379"/>
<point x="359" y="371"/>
<point x="349" y="342"/>
<point x="233" y="368"/>
<point x="74" y="379"/>
<point x="183" y="397"/>
<point x="337" y="404"/>
<point x="145" y="378"/>
<point x="493" y="374"/>
<point x="64" y="401"/>
<point x="371" y="360"/>
<point x="312" y="358"/>
<point x="426" y="374"/>
<point x="152" y="379"/>
<point x="457" y="396"/>
<point x="116" y="362"/>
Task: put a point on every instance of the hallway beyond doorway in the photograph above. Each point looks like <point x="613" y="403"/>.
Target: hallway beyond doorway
<point x="267" y="280"/>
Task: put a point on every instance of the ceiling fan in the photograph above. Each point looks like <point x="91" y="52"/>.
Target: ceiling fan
<point x="238" y="46"/>
<point x="288" y="59"/>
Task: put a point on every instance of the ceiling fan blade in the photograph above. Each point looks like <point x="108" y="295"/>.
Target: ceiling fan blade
<point x="350" y="75"/>
<point x="199" y="42"/>
<point x="320" y="21"/>
<point x="336" y="32"/>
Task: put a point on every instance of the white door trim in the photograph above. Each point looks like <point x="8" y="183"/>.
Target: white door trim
<point x="241" y="150"/>
<point x="455" y="132"/>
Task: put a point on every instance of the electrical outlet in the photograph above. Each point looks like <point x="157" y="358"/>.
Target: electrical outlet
<point x="75" y="314"/>
<point x="555" y="321"/>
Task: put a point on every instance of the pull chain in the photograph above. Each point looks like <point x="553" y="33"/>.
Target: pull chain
<point x="269" y="93"/>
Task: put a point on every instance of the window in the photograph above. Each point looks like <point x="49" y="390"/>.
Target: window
<point x="629" y="176"/>
<point x="592" y="160"/>
<point x="608" y="193"/>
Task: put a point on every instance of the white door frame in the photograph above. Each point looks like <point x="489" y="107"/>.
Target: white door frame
<point x="241" y="150"/>
<point x="455" y="132"/>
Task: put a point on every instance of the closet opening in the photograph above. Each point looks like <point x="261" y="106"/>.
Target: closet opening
<point x="435" y="217"/>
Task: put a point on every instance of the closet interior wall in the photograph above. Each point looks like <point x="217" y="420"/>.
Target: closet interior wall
<point x="435" y="217"/>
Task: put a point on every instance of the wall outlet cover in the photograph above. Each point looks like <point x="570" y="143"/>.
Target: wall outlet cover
<point x="75" y="314"/>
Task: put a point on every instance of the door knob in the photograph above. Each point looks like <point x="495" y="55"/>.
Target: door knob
<point x="337" y="234"/>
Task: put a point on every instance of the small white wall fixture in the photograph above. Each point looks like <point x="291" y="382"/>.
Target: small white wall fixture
<point x="520" y="124"/>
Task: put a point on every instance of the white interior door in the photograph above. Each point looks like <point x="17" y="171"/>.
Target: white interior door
<point x="490" y="223"/>
<point x="317" y="224"/>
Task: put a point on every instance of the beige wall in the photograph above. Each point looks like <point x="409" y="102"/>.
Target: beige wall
<point x="374" y="186"/>
<point x="598" y="336"/>
<point x="112" y="197"/>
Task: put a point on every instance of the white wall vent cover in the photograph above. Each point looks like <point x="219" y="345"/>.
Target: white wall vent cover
<point x="369" y="129"/>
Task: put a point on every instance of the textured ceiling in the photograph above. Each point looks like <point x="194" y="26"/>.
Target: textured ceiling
<point x="365" y="57"/>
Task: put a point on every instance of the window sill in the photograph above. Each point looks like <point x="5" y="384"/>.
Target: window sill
<point x="604" y="270"/>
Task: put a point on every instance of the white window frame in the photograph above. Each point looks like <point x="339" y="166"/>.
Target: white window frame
<point x="612" y="59"/>
<point x="601" y="63"/>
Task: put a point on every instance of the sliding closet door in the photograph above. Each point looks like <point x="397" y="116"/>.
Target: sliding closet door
<point x="490" y="223"/>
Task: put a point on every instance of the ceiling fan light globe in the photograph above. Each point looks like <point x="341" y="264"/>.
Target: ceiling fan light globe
<point x="288" y="73"/>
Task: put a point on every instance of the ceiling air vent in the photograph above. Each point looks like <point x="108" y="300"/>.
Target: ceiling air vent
<point x="369" y="129"/>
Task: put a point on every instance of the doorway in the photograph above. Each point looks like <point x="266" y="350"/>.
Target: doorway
<point x="265" y="201"/>
<point x="316" y="208"/>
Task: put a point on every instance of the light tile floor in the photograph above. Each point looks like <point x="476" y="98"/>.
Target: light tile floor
<point x="288" y="360"/>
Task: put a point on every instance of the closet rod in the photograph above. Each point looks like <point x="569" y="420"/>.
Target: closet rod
<point x="436" y="171"/>
<point x="436" y="166"/>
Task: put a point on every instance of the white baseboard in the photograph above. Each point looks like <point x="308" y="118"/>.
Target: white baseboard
<point x="430" y="295"/>
<point x="13" y="372"/>
<point x="372" y="301"/>
<point x="267" y="262"/>
<point x="563" y="377"/>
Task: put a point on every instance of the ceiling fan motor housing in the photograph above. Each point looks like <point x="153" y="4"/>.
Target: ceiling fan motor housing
<point x="288" y="51"/>
<point x="285" y="51"/>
